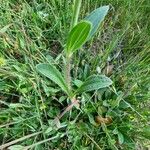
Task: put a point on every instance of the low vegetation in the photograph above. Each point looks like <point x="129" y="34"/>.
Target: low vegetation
<point x="74" y="75"/>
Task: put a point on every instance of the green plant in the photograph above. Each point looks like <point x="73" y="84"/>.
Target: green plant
<point x="79" y="35"/>
<point x="32" y="32"/>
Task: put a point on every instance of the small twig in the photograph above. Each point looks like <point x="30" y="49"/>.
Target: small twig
<point x="68" y="108"/>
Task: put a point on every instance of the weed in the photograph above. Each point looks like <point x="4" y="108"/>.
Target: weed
<point x="62" y="103"/>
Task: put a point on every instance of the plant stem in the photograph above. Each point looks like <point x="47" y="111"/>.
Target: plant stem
<point x="67" y="71"/>
<point x="76" y="10"/>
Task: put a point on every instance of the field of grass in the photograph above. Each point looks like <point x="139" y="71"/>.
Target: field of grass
<point x="114" y="118"/>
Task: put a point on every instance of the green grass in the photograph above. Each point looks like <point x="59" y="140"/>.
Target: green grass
<point x="36" y="31"/>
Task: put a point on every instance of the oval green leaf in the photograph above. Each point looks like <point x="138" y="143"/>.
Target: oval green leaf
<point x="78" y="36"/>
<point x="53" y="74"/>
<point x="94" y="82"/>
<point x="96" y="17"/>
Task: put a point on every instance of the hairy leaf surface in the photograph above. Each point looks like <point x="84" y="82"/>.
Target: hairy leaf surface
<point x="52" y="73"/>
<point x="94" y="82"/>
<point x="96" y="17"/>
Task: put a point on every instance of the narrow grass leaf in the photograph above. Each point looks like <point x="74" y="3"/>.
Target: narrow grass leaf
<point x="2" y="85"/>
<point x="94" y="82"/>
<point x="16" y="147"/>
<point x="78" y="36"/>
<point x="4" y="29"/>
<point x="52" y="73"/>
<point x="96" y="17"/>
